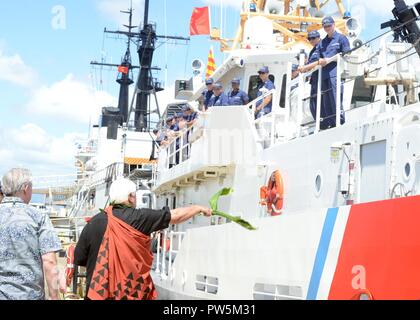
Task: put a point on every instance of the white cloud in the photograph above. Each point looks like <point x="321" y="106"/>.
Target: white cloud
<point x="70" y="99"/>
<point x="14" y="70"/>
<point x="30" y="146"/>
<point x="111" y="9"/>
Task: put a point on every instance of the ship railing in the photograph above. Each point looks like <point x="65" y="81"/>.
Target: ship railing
<point x="179" y="149"/>
<point x="300" y="81"/>
<point x="266" y="125"/>
<point x="107" y="174"/>
<point x="164" y="267"/>
<point x="268" y="119"/>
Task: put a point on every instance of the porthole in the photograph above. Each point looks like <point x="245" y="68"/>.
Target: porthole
<point x="407" y="171"/>
<point x="318" y="184"/>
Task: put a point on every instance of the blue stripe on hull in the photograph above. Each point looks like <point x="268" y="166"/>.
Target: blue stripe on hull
<point x="322" y="252"/>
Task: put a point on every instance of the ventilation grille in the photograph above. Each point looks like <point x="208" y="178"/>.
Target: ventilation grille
<point x="263" y="291"/>
<point x="207" y="284"/>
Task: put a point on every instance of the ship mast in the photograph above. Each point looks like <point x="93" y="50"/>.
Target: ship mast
<point x="125" y="71"/>
<point x="145" y="86"/>
<point x="293" y="25"/>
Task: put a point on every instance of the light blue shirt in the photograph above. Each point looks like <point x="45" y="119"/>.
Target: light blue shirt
<point x="237" y="98"/>
<point x="219" y="101"/>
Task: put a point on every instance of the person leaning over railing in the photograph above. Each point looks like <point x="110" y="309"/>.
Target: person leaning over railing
<point x="219" y="98"/>
<point x="314" y="38"/>
<point x="334" y="43"/>
<point x="189" y="115"/>
<point x="264" y="107"/>
<point x="115" y="246"/>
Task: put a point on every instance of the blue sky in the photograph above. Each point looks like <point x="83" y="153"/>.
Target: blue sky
<point x="48" y="89"/>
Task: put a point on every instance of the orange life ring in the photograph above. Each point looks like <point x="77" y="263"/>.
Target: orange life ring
<point x="272" y="195"/>
<point x="366" y="293"/>
<point x="70" y="264"/>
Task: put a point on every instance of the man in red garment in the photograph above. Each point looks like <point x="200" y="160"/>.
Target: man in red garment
<point x="115" y="246"/>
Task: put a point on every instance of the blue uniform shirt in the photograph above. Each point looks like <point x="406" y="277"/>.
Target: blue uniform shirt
<point x="313" y="57"/>
<point x="191" y="117"/>
<point x="327" y="48"/>
<point x="237" y="98"/>
<point x="219" y="101"/>
<point x="262" y="89"/>
<point x="207" y="96"/>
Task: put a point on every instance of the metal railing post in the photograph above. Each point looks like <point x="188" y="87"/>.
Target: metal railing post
<point x="301" y="92"/>
<point x="170" y="252"/>
<point x="318" y="101"/>
<point x="287" y="97"/>
<point x="163" y="273"/>
<point x="338" y="92"/>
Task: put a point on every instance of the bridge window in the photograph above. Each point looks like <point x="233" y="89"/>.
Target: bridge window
<point x="254" y="83"/>
<point x="362" y="94"/>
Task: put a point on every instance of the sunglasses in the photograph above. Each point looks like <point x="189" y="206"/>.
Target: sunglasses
<point x="312" y="38"/>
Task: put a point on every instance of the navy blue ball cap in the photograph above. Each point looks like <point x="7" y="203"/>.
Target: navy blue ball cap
<point x="186" y="107"/>
<point x="314" y="34"/>
<point x="236" y="80"/>
<point x="294" y="67"/>
<point x="263" y="70"/>
<point x="209" y="81"/>
<point x="327" y="21"/>
<point x="218" y="85"/>
<point x="169" y="119"/>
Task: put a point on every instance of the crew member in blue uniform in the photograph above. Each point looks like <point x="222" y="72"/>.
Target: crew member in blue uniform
<point x="264" y="106"/>
<point x="237" y="97"/>
<point x="219" y="97"/>
<point x="333" y="44"/>
<point x="314" y="38"/>
<point x="208" y="93"/>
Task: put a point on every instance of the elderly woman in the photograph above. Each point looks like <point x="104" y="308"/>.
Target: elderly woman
<point x="115" y="246"/>
<point x="29" y="243"/>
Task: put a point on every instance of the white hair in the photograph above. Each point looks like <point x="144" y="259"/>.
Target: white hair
<point x="120" y="190"/>
<point x="16" y="180"/>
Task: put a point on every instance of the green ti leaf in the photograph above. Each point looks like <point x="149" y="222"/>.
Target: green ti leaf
<point x="215" y="199"/>
<point x="213" y="205"/>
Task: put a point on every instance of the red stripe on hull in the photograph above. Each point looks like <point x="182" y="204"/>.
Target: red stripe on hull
<point x="381" y="248"/>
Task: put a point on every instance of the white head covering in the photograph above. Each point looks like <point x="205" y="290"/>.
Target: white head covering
<point x="121" y="189"/>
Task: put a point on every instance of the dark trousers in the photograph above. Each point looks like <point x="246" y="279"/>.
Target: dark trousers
<point x="328" y="102"/>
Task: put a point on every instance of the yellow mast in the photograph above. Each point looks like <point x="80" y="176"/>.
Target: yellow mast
<point x="288" y="24"/>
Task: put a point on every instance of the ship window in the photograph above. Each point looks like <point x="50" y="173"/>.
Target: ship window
<point x="174" y="202"/>
<point x="362" y="94"/>
<point x="283" y="92"/>
<point x="407" y="170"/>
<point x="393" y="99"/>
<point x="254" y="83"/>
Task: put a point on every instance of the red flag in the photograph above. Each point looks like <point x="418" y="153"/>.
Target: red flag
<point x="200" y="22"/>
<point x="123" y="69"/>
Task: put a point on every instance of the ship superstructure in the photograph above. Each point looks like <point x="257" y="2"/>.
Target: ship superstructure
<point x="344" y="222"/>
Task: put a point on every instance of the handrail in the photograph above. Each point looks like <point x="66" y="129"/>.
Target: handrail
<point x="301" y="80"/>
<point x="161" y="251"/>
<point x="253" y="104"/>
